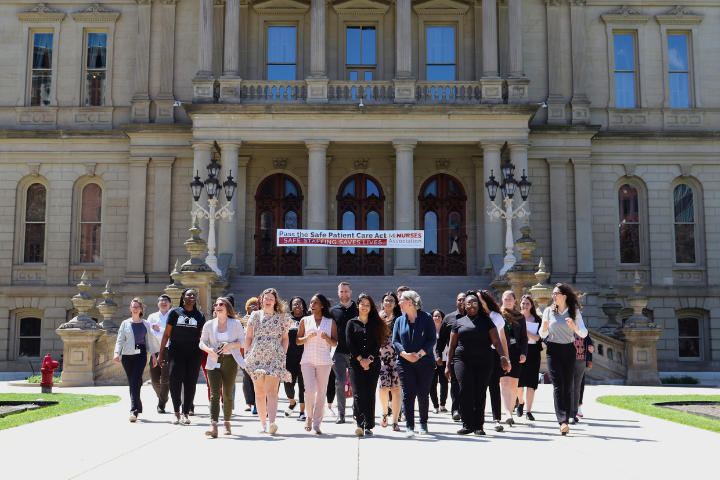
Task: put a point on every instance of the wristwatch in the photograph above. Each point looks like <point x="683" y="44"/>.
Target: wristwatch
<point x="420" y="355"/>
<point x="371" y="358"/>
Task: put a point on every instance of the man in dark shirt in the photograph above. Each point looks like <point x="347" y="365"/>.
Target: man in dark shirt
<point x="342" y="312"/>
<point x="442" y="343"/>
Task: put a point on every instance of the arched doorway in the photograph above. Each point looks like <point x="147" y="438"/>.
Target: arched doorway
<point x="360" y="207"/>
<point x="278" y="204"/>
<point x="442" y="216"/>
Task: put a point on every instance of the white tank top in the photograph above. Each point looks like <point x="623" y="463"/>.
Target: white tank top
<point x="317" y="350"/>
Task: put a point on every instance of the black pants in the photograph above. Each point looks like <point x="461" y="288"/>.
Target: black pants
<point x="582" y="388"/>
<point x="561" y="366"/>
<point x="292" y="364"/>
<point x="494" y="386"/>
<point x="184" y="371"/>
<point x="439" y="377"/>
<point x="454" y="391"/>
<point x="330" y="393"/>
<point x="161" y="381"/>
<point x="473" y="376"/>
<point x="248" y="389"/>
<point x="134" y="366"/>
<point x="415" y="379"/>
<point x="364" y="385"/>
<point x="578" y="375"/>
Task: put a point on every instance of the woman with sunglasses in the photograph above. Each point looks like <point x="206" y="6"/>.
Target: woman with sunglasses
<point x="516" y="336"/>
<point x="298" y="310"/>
<point x="561" y="322"/>
<point x="222" y="339"/>
<point x="389" y="377"/>
<point x="531" y="369"/>
<point x="491" y="307"/>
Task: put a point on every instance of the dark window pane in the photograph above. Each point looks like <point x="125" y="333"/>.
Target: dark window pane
<point x="431" y="232"/>
<point x="348" y="223"/>
<point x="625" y="89"/>
<point x="281" y="45"/>
<point x="683" y="202"/>
<point x="454" y="226"/>
<point x="678" y="52"/>
<point x="34" y="242"/>
<point x="431" y="189"/>
<point x="441" y="73"/>
<point x="453" y="188"/>
<point x="97" y="50"/>
<point x="267" y="232"/>
<point x="629" y="243"/>
<point x="95" y="88"/>
<point x="679" y="90"/>
<point x="281" y="72"/>
<point x="290" y="190"/>
<point x="373" y="223"/>
<point x="291" y="221"/>
<point x="624" y="52"/>
<point x="628" y="201"/>
<point x="688" y="327"/>
<point x="441" y="45"/>
<point x="353" y="46"/>
<point x="372" y="189"/>
<point x="35" y="205"/>
<point x="42" y="50"/>
<point x="29" y="347"/>
<point x="349" y="189"/>
<point x="268" y="188"/>
<point x="90" y="242"/>
<point x="30" y="327"/>
<point x="91" y="203"/>
<point x="40" y="88"/>
<point x="368" y="46"/>
<point x="689" y="347"/>
<point x="685" y="243"/>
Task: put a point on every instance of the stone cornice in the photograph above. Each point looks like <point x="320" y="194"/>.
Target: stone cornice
<point x="41" y="13"/>
<point x="295" y="109"/>
<point x="679" y="16"/>
<point x="63" y="134"/>
<point x="657" y="136"/>
<point x="361" y="7"/>
<point x="625" y="16"/>
<point x="281" y="7"/>
<point x="96" y="13"/>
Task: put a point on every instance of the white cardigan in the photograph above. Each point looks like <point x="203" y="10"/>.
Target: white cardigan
<point x="125" y="343"/>
<point x="236" y="333"/>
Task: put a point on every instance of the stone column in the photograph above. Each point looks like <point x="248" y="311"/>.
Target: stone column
<point x="135" y="272"/>
<point x="480" y="195"/>
<point x="517" y="82"/>
<point x="580" y="101"/>
<point x="317" y="203"/>
<point x="317" y="82"/>
<point x="404" y="203"/>
<point x="490" y="83"/>
<point x="218" y="36"/>
<point x="494" y="230"/>
<point x="559" y="219"/>
<point x="518" y="157"/>
<point x="228" y="227"/>
<point x="165" y="101"/>
<point x="230" y="82"/>
<point x="240" y="214"/>
<point x="583" y="220"/>
<point x="404" y="81"/>
<point x="203" y="83"/>
<point x="141" y="99"/>
<point x="555" y="99"/>
<point x="161" y="221"/>
<point x="202" y="153"/>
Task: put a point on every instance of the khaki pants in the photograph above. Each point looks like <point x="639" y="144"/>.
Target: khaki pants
<point x="316" y="380"/>
<point x="225" y="376"/>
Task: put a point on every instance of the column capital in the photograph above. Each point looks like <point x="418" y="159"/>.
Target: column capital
<point x="404" y="144"/>
<point x="557" y="161"/>
<point x="163" y="161"/>
<point x="229" y="144"/>
<point x="138" y="161"/>
<point x="317" y="144"/>
<point x="490" y="146"/>
<point x="243" y="161"/>
<point x="582" y="162"/>
<point x="519" y="145"/>
<point x="202" y="144"/>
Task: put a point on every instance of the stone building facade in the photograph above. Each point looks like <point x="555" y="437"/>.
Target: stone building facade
<point x="361" y="114"/>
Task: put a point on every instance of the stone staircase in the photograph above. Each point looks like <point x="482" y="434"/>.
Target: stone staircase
<point x="436" y="292"/>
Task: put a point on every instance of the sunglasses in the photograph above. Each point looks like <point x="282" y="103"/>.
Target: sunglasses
<point x="215" y="305"/>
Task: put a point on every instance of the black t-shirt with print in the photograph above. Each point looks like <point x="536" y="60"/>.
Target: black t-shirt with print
<point x="186" y="327"/>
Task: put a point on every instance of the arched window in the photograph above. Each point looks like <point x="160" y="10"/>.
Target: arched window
<point x="609" y="354"/>
<point x="684" y="223"/>
<point x="90" y="223"/>
<point x="431" y="233"/>
<point x="442" y="216"/>
<point x="35" y="218"/>
<point x="629" y="224"/>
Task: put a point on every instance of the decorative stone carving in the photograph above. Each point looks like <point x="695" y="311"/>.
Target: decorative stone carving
<point x="82" y="302"/>
<point x="627" y="118"/>
<point x="683" y="118"/>
<point x="108" y="308"/>
<point x="685" y="170"/>
<point x="281" y="7"/>
<point x="441" y="7"/>
<point x="95" y="8"/>
<point x="442" y="163"/>
<point x="611" y="308"/>
<point x="96" y="13"/>
<point x="630" y="169"/>
<point x="37" y="116"/>
<point x="41" y="9"/>
<point x="280" y="163"/>
<point x="34" y="169"/>
<point x="361" y="163"/>
<point x="679" y="16"/>
<point x="551" y="3"/>
<point x="90" y="169"/>
<point x="364" y="7"/>
<point x="625" y="10"/>
<point x="220" y="2"/>
<point x="680" y="11"/>
<point x="578" y="3"/>
<point x="624" y="15"/>
<point x="144" y="2"/>
<point x="169" y="2"/>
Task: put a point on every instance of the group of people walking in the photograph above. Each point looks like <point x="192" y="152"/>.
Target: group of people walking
<point x="394" y="351"/>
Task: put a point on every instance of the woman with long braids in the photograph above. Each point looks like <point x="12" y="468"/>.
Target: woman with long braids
<point x="184" y="325"/>
<point x="298" y="310"/>
<point x="439" y="377"/>
<point x="365" y="333"/>
<point x="389" y="377"/>
<point x="531" y="369"/>
<point x="561" y="322"/>
<point x="516" y="336"/>
<point x="472" y="357"/>
<point x="491" y="307"/>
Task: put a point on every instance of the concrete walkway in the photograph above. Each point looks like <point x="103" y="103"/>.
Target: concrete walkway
<point x="101" y="443"/>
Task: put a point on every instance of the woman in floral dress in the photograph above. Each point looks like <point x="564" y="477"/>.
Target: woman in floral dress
<point x="389" y="378"/>
<point x="266" y="343"/>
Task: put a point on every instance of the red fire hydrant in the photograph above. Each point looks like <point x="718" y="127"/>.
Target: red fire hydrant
<point x="47" y="370"/>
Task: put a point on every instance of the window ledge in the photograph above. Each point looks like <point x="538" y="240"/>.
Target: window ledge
<point x="689" y="275"/>
<point x="37" y="116"/>
<point x="91" y="118"/>
<point x="626" y="274"/>
<point x="683" y="118"/>
<point x="627" y="118"/>
<point x="29" y="274"/>
<point x="94" y="273"/>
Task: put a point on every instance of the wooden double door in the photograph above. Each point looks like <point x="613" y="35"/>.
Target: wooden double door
<point x="442" y="217"/>
<point x="360" y="207"/>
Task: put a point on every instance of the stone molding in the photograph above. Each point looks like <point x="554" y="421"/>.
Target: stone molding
<point x="625" y="16"/>
<point x="685" y="170"/>
<point x="171" y="3"/>
<point x="92" y="117"/>
<point x="361" y="7"/>
<point x="683" y="118"/>
<point x="441" y="7"/>
<point x="37" y="116"/>
<point x="630" y="169"/>
<point x="628" y="117"/>
<point x="34" y="168"/>
<point x="679" y="16"/>
<point x="442" y="163"/>
<point x="90" y="169"/>
<point x="281" y="7"/>
<point x="361" y="163"/>
<point x="41" y="13"/>
<point x="96" y="13"/>
<point x="143" y="2"/>
<point x="280" y="163"/>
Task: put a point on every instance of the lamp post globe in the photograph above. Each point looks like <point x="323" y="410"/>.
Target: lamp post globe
<point x="230" y="186"/>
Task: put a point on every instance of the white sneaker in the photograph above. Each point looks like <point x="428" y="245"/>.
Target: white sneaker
<point x="262" y="429"/>
<point x="330" y="412"/>
<point x="579" y="412"/>
<point x="272" y="429"/>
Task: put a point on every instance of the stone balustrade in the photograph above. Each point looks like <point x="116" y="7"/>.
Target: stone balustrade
<point x="368" y="92"/>
<point x="447" y="92"/>
<point x="264" y="91"/>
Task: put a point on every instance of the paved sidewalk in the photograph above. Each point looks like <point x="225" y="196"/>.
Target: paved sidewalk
<point x="100" y="443"/>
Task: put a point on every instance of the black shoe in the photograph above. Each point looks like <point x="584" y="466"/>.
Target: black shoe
<point x="401" y="417"/>
<point x="572" y="421"/>
<point x="340" y="420"/>
<point x="456" y="416"/>
<point x="368" y="432"/>
<point x="480" y="432"/>
<point x="577" y="420"/>
<point x="498" y="427"/>
<point x="464" y="431"/>
<point x="510" y="421"/>
<point x="529" y="416"/>
<point x="160" y="409"/>
<point x="520" y="410"/>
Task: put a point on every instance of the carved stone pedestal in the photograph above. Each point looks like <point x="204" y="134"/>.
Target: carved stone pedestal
<point x="203" y="90"/>
<point x="317" y="90"/>
<point x="165" y="109"/>
<point x="230" y="89"/>
<point x="140" y="111"/>
<point x="491" y="90"/>
<point x="404" y="90"/>
<point x="518" y="91"/>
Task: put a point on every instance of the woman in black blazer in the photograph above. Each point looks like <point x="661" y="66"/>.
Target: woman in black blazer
<point x="414" y="337"/>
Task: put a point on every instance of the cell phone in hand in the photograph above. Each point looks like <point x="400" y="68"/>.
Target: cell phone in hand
<point x="219" y="347"/>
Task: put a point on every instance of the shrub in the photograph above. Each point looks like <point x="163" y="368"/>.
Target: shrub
<point x="684" y="380"/>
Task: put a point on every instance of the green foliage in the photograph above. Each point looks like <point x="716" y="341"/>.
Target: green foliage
<point x="684" y="380"/>
<point x="69" y="403"/>
<point x="644" y="404"/>
<point x="38" y="379"/>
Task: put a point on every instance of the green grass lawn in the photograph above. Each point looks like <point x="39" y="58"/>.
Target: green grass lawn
<point x="69" y="403"/>
<point x="644" y="404"/>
